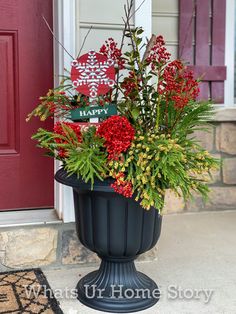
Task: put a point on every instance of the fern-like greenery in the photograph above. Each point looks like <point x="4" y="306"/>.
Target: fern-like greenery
<point x="85" y="157"/>
<point x="88" y="159"/>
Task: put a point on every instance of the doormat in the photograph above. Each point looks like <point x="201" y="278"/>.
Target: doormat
<point x="26" y="291"/>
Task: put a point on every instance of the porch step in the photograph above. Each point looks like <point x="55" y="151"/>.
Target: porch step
<point x="28" y="217"/>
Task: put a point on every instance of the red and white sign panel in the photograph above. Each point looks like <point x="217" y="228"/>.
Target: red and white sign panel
<point x="93" y="74"/>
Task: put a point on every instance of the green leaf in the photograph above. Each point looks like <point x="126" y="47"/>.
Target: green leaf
<point x="135" y="113"/>
<point x="140" y="31"/>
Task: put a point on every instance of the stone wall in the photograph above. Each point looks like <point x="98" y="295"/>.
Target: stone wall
<point x="53" y="246"/>
<point x="221" y="142"/>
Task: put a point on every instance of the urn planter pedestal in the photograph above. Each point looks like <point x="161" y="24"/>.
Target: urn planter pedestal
<point x="117" y="229"/>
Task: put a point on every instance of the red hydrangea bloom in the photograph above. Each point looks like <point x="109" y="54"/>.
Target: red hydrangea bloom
<point x="122" y="186"/>
<point x="118" y="134"/>
<point x="158" y="54"/>
<point x="58" y="129"/>
<point x="110" y="50"/>
<point x="178" y="84"/>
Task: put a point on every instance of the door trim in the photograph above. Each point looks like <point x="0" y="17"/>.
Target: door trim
<point x="64" y="25"/>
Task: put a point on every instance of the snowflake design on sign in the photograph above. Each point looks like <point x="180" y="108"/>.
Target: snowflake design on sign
<point x="93" y="74"/>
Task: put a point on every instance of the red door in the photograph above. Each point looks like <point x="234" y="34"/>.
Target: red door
<point x="26" y="72"/>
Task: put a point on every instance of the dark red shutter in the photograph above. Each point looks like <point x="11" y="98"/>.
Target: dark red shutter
<point x="202" y="44"/>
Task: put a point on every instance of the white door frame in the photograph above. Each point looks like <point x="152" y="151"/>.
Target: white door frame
<point x="65" y="25"/>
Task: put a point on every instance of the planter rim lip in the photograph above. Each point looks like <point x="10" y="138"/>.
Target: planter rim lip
<point x="78" y="184"/>
<point x="62" y="176"/>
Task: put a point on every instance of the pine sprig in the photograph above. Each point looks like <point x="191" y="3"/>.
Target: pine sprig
<point x="88" y="160"/>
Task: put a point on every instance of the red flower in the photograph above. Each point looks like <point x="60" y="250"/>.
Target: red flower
<point x="110" y="50"/>
<point x="58" y="129"/>
<point x="122" y="186"/>
<point x="118" y="134"/>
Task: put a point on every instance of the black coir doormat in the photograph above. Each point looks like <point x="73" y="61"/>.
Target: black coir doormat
<point x="26" y="291"/>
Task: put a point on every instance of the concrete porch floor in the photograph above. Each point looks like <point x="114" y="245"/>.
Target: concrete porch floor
<point x="196" y="251"/>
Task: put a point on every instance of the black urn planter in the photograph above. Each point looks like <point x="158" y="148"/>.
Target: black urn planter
<point x="118" y="229"/>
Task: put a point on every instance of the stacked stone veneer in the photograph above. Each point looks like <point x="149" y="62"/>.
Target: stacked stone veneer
<point x="221" y="142"/>
<point x="53" y="246"/>
<point x="42" y="246"/>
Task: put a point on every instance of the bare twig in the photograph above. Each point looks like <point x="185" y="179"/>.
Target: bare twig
<point x="137" y="57"/>
<point x="85" y="38"/>
<point x="51" y="31"/>
<point x="149" y="46"/>
<point x="128" y="15"/>
<point x="137" y="8"/>
<point x="127" y="9"/>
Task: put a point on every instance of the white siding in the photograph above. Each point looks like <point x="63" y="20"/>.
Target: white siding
<point x="165" y="22"/>
<point x="104" y="16"/>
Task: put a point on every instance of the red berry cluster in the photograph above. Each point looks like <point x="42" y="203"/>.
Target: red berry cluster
<point x="104" y="99"/>
<point x="158" y="54"/>
<point x="122" y="186"/>
<point x="178" y="84"/>
<point x="58" y="129"/>
<point x="59" y="100"/>
<point x="118" y="134"/>
<point x="110" y="50"/>
<point x="131" y="86"/>
<point x="51" y="106"/>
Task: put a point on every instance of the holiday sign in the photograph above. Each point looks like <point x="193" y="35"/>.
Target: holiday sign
<point x="93" y="112"/>
<point x="93" y="74"/>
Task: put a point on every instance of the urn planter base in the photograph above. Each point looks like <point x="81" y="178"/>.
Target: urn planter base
<point x="117" y="287"/>
<point x="117" y="229"/>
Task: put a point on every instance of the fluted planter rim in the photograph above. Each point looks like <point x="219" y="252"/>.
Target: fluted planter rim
<point x="72" y="180"/>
